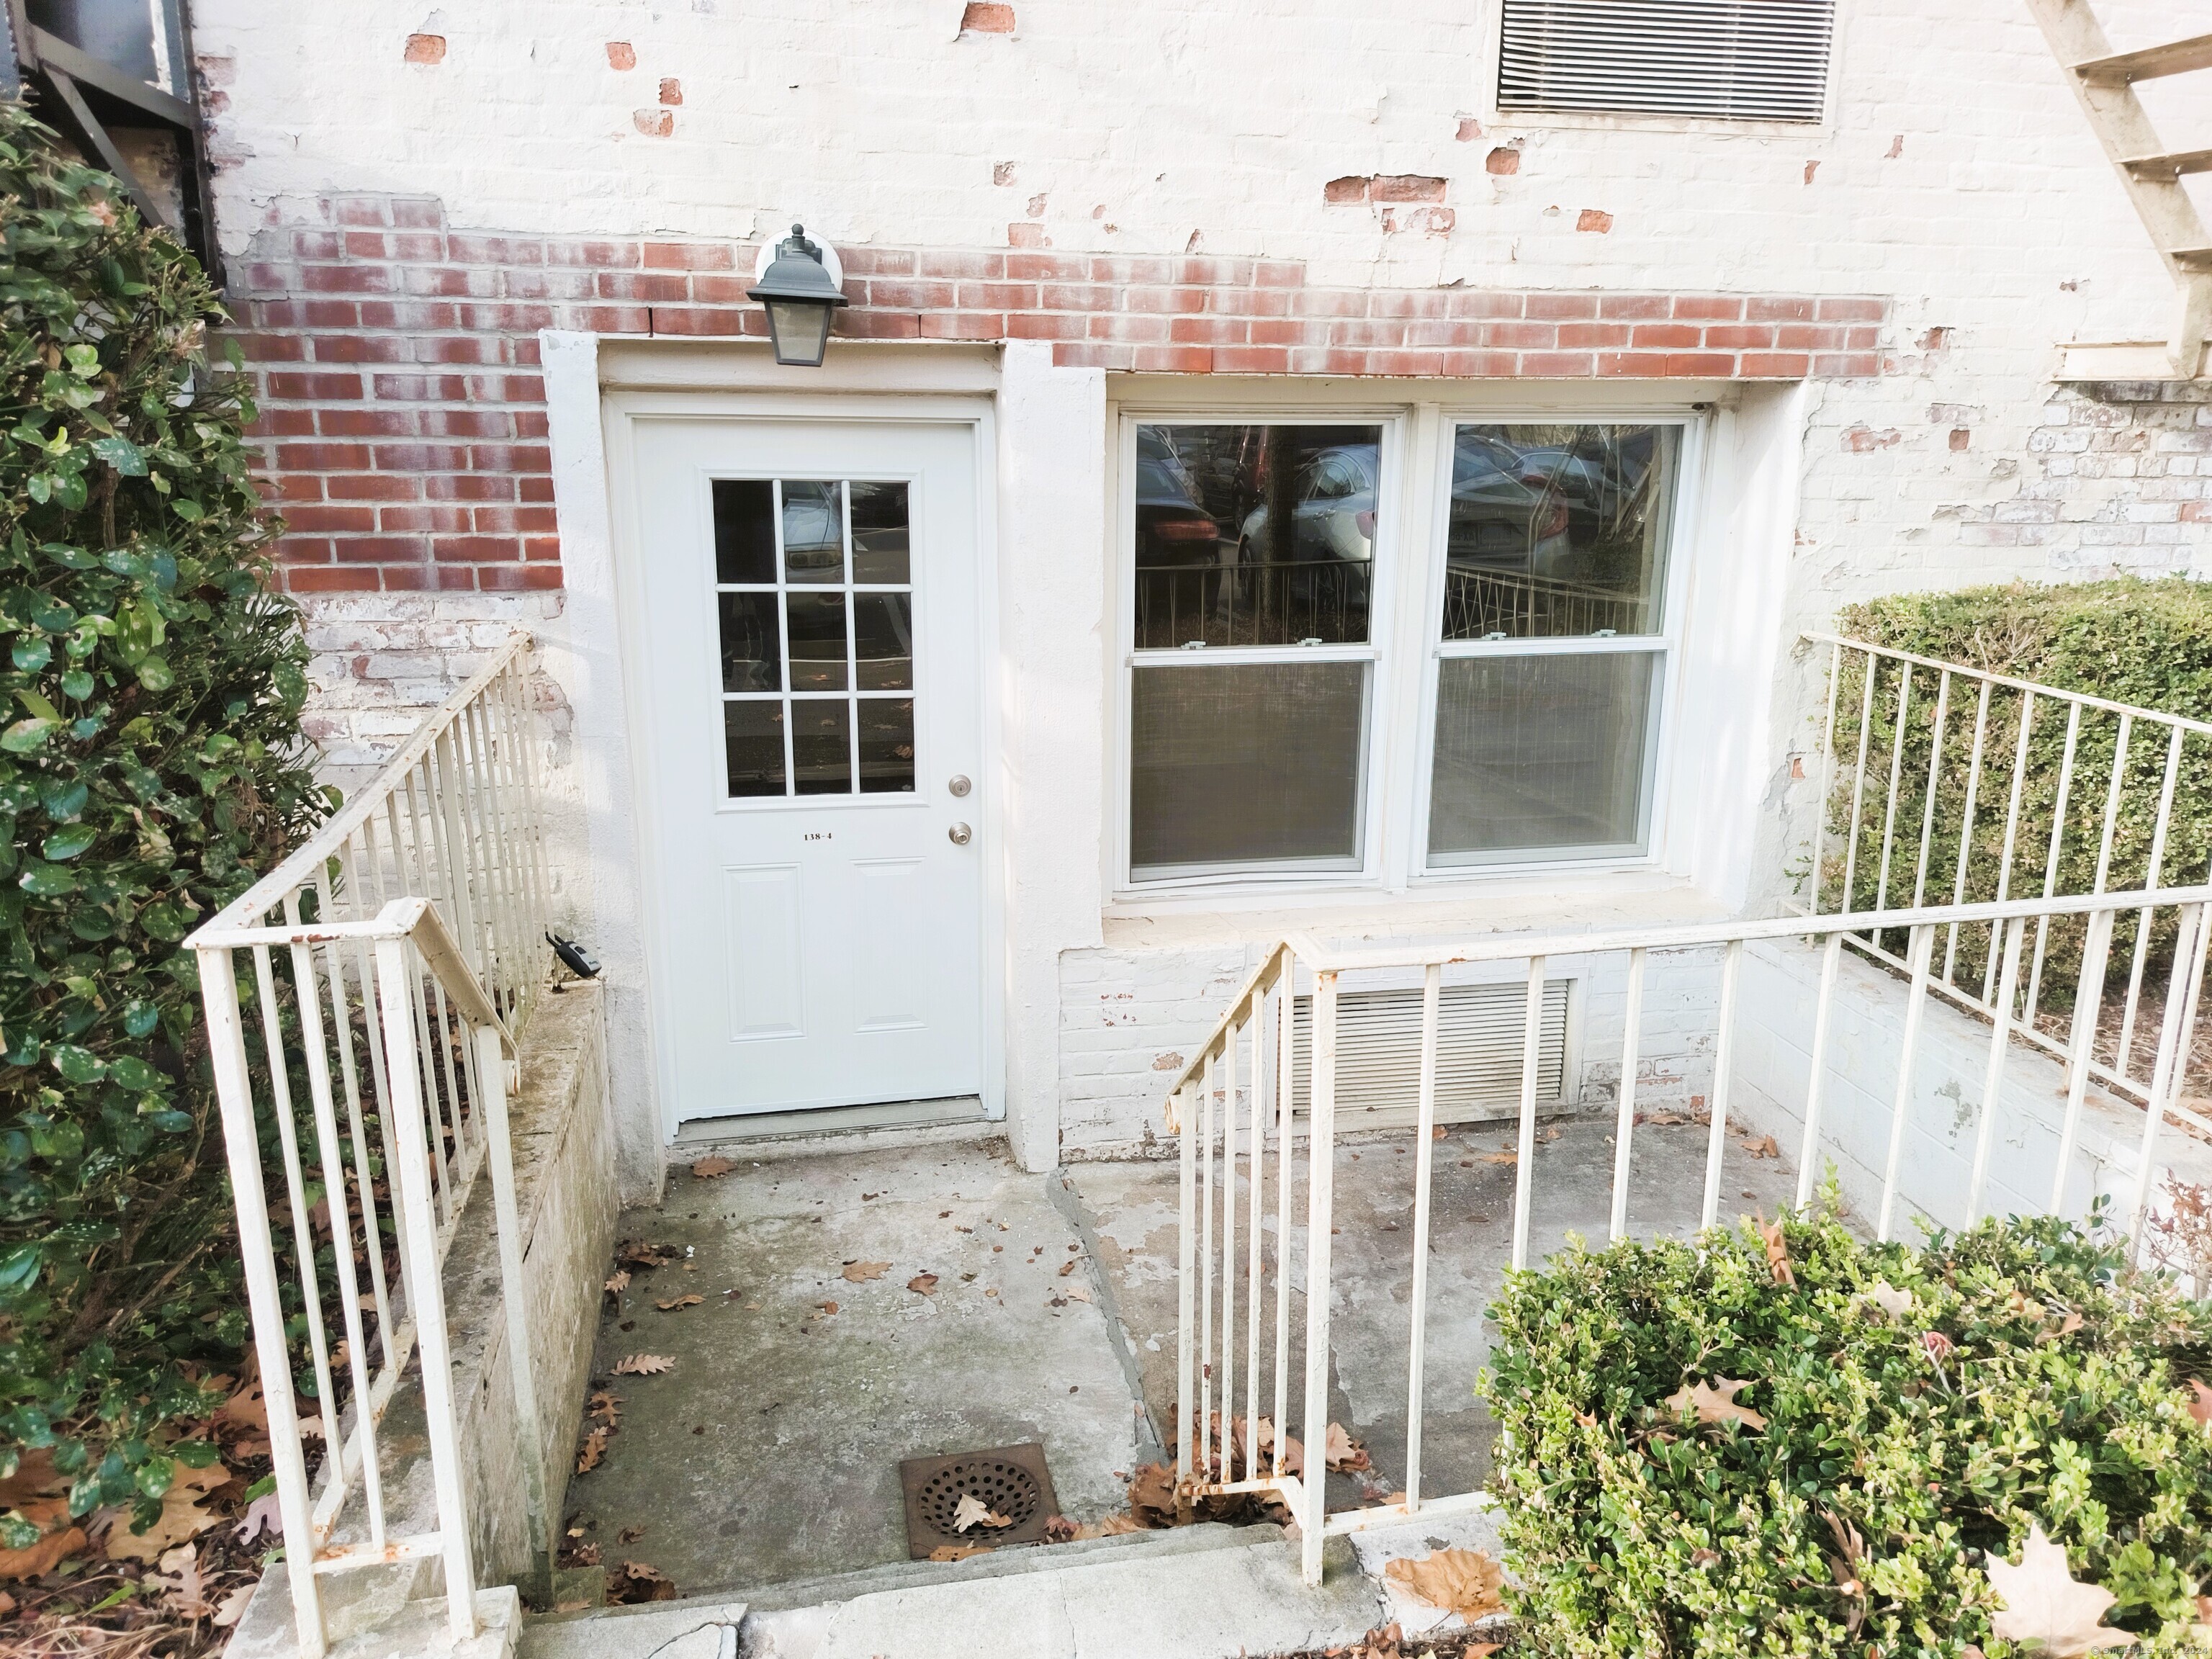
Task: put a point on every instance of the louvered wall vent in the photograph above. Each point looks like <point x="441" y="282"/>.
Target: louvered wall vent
<point x="1378" y="1047"/>
<point x="1743" y="60"/>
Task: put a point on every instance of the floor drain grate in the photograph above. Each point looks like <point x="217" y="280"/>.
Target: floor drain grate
<point x="1011" y="1481"/>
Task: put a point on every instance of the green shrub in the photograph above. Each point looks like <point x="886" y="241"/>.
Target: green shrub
<point x="2131" y="640"/>
<point x="150" y="763"/>
<point x="2052" y="1390"/>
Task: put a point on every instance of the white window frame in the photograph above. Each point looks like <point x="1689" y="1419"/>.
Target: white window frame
<point x="1405" y="612"/>
<point x="1381" y="606"/>
<point x="1666" y="644"/>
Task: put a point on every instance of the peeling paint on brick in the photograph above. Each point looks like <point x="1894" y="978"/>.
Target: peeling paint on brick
<point x="1960" y="438"/>
<point x="1002" y="172"/>
<point x="1594" y="219"/>
<point x="1503" y="160"/>
<point x="1407" y="187"/>
<point x="1863" y="439"/>
<point x="986" y="17"/>
<point x="1469" y="130"/>
<point x="654" y="123"/>
<point x="1352" y="187"/>
<point x="672" y="92"/>
<point x="426" y="48"/>
<point x="1811" y="167"/>
<point x="621" y="55"/>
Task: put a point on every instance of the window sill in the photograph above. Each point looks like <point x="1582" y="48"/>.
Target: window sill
<point x="1533" y="902"/>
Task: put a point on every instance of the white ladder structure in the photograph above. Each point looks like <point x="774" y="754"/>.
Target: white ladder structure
<point x="2106" y="81"/>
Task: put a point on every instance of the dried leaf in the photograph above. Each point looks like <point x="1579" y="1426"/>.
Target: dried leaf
<point x="1153" y="1495"/>
<point x="1765" y="1147"/>
<point x="973" y="1511"/>
<point x="861" y="1272"/>
<point x="639" y="1581"/>
<point x="2201" y="1407"/>
<point x="1715" y="1402"/>
<point x="1777" y="1253"/>
<point x="606" y="1408"/>
<point x="1059" y="1529"/>
<point x="692" y="1301"/>
<point x="643" y="1364"/>
<point x="187" y="1589"/>
<point x="181" y="1517"/>
<point x="2045" y="1607"/>
<point x="1501" y="1157"/>
<point x="1112" y="1526"/>
<point x="707" y="1168"/>
<point x="636" y="1253"/>
<point x="618" y="1281"/>
<point x="593" y="1448"/>
<point x="1464" y="1582"/>
<point x="1891" y="1301"/>
<point x="923" y="1283"/>
<point x="233" y="1606"/>
<point x="1078" y="1293"/>
<point x="959" y="1552"/>
<point x="1341" y="1452"/>
<point x="35" y="1560"/>
<point x="242" y="1421"/>
<point x="1067" y="1267"/>
<point x="827" y="1307"/>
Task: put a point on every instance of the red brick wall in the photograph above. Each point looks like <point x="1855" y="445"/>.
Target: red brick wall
<point x="405" y="420"/>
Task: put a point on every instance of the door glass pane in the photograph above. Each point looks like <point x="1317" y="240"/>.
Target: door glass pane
<point x="1557" y="529"/>
<point x="883" y="641"/>
<point x="813" y="533"/>
<point x="1254" y="535"/>
<point x="1249" y="763"/>
<point x="886" y="746"/>
<point x="752" y="654"/>
<point x="818" y="627"/>
<point x="822" y="745"/>
<point x="1540" y="756"/>
<point x="817" y="621"/>
<point x="879" y="532"/>
<point x="752" y="735"/>
<point x="745" y="529"/>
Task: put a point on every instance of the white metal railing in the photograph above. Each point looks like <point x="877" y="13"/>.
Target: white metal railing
<point x="378" y="977"/>
<point x="1936" y="785"/>
<point x="1234" y="1108"/>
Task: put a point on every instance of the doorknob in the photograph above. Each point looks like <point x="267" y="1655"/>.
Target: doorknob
<point x="960" y="834"/>
<point x="959" y="786"/>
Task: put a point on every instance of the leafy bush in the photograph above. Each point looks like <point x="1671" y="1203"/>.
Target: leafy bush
<point x="153" y="764"/>
<point x="2147" y="643"/>
<point x="1920" y="1408"/>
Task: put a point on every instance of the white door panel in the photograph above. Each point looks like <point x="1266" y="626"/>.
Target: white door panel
<point x="812" y="685"/>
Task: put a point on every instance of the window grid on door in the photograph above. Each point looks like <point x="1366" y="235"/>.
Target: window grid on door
<point x="814" y="603"/>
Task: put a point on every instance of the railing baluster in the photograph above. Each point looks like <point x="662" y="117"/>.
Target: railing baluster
<point x="1993" y="1078"/>
<point x="1423" y="1170"/>
<point x="1287" y="1037"/>
<point x="2141" y="955"/>
<point x="2012" y="829"/>
<point x="1255" y="1165"/>
<point x="1966" y="827"/>
<point x="364" y="1176"/>
<point x="1723" y="1066"/>
<point x="1205" y="1266"/>
<point x="1934" y="777"/>
<point x="1321" y="1204"/>
<point x="1896" y="775"/>
<point x="397" y="975"/>
<point x="2088" y="994"/>
<point x="1849" y="902"/>
<point x="1532" y="1051"/>
<point x="1228" y="1375"/>
<point x="1920" y="941"/>
<point x="2051" y="860"/>
<point x="1625" y="1124"/>
<point x="1185" y="1286"/>
<point x="1824" y="1003"/>
<point x="1827" y="777"/>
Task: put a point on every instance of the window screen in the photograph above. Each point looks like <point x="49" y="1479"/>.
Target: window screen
<point x="1746" y="60"/>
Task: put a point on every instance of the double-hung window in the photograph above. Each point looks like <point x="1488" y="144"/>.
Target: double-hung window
<point x="1262" y="565"/>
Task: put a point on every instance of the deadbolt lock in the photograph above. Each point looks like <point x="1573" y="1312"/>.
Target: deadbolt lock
<point x="959" y="786"/>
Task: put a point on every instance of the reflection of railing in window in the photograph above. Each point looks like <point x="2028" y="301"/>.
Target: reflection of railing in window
<point x="1276" y="602"/>
<point x="1479" y="603"/>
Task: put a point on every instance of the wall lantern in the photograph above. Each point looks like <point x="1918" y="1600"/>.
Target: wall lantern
<point x="800" y="285"/>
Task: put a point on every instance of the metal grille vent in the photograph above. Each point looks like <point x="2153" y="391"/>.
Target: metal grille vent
<point x="1478" y="1037"/>
<point x="1744" y="60"/>
<point x="1011" y="1481"/>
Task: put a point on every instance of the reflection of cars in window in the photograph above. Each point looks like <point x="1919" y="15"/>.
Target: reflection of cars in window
<point x="1172" y="528"/>
<point x="1332" y="512"/>
<point x="813" y="529"/>
<point x="1508" y="509"/>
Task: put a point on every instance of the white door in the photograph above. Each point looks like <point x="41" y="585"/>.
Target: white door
<point x="813" y="664"/>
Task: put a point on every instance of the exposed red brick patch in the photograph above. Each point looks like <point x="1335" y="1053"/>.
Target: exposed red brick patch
<point x="1003" y="174"/>
<point x="426" y="48"/>
<point x="1352" y="187"/>
<point x="1025" y="235"/>
<point x="1469" y="130"/>
<point x="1407" y="187"/>
<point x="1863" y="439"/>
<point x="986" y="17"/>
<point x="621" y="55"/>
<point x="1936" y="339"/>
<point x="1594" y="219"/>
<point x="1035" y="209"/>
<point x="671" y="91"/>
<point x="1960" y="437"/>
<point x="1503" y="160"/>
<point x="1896" y="148"/>
<point x="655" y="123"/>
<point x="1811" y="167"/>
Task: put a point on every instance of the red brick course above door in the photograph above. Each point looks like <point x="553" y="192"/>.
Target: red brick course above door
<point x="403" y="417"/>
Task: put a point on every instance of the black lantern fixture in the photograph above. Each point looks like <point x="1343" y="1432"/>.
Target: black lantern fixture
<point x="799" y="294"/>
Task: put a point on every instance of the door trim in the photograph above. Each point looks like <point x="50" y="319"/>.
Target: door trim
<point x="627" y="415"/>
